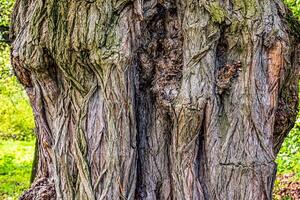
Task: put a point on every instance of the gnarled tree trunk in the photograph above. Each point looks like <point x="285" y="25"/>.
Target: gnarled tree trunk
<point x="156" y="99"/>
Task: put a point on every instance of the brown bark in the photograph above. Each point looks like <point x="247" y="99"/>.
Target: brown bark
<point x="156" y="99"/>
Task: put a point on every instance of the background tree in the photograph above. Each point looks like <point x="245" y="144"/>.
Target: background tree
<point x="157" y="99"/>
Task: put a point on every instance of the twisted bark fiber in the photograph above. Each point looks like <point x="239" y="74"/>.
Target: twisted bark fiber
<point x="156" y="99"/>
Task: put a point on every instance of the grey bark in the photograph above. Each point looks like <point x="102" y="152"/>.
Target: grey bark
<point x="156" y="99"/>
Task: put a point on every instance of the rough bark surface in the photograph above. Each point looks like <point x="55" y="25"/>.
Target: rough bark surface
<point x="156" y="99"/>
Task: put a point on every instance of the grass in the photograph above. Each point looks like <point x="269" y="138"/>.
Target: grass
<point x="15" y="167"/>
<point x="288" y="159"/>
<point x="287" y="184"/>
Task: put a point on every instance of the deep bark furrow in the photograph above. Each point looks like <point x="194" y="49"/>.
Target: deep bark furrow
<point x="159" y="68"/>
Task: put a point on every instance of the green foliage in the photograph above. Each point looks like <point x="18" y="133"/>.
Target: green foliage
<point x="288" y="159"/>
<point x="15" y="167"/>
<point x="5" y="11"/>
<point x="294" y="5"/>
<point x="15" y="112"/>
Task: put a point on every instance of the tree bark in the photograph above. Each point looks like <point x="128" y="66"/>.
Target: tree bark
<point x="156" y="99"/>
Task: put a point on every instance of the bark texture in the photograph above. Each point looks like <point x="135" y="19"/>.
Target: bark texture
<point x="156" y="99"/>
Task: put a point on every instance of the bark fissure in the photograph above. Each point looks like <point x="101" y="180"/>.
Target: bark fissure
<point x="159" y="69"/>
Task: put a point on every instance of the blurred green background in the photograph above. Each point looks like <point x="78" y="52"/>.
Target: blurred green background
<point x="17" y="126"/>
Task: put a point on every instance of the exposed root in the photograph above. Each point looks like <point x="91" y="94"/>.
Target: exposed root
<point x="41" y="189"/>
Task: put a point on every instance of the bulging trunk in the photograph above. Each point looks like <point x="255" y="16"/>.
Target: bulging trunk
<point x="148" y="99"/>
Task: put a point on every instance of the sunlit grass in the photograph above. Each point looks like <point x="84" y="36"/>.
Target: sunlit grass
<point x="288" y="159"/>
<point x="15" y="167"/>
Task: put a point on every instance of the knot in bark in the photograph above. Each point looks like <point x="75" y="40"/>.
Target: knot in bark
<point x="225" y="76"/>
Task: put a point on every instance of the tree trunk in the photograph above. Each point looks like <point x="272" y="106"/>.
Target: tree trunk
<point x="156" y="99"/>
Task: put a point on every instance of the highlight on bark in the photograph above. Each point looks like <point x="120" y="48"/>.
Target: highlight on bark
<point x="156" y="99"/>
